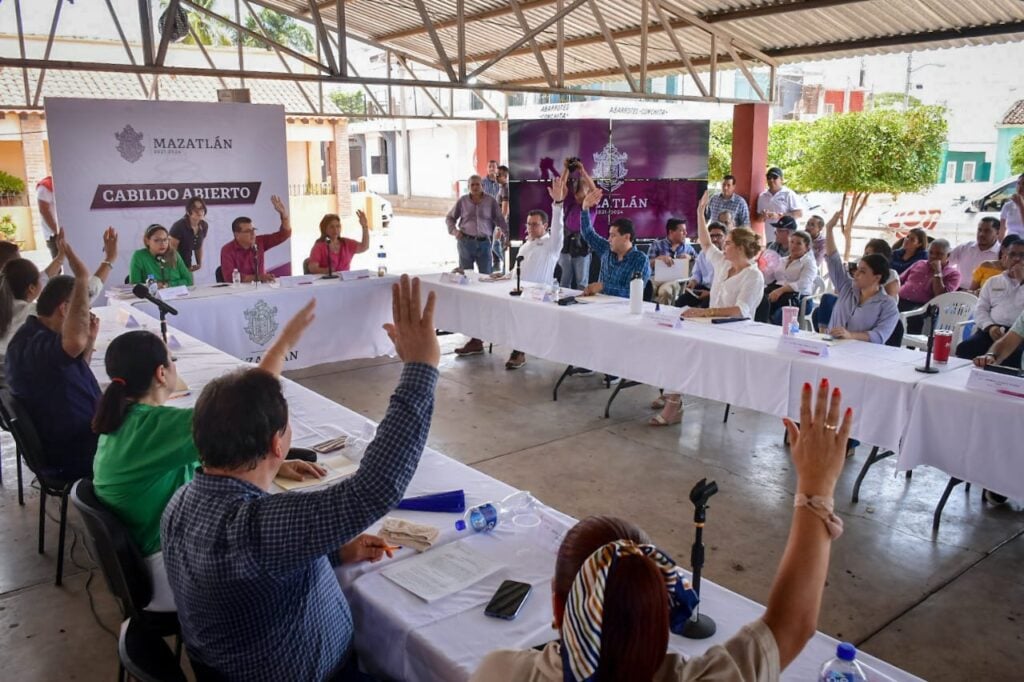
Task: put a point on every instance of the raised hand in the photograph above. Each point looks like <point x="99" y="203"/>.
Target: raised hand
<point x="362" y="219"/>
<point x="295" y="327"/>
<point x="818" y="445"/>
<point x="110" y="244"/>
<point x="704" y="200"/>
<point x="279" y="206"/>
<point x="593" y="198"/>
<point x="557" y="188"/>
<point x="78" y="268"/>
<point x="412" y="331"/>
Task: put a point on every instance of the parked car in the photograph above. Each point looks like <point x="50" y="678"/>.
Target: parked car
<point x="384" y="208"/>
<point x="950" y="217"/>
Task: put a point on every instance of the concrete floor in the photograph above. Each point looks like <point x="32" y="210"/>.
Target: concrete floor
<point x="949" y="607"/>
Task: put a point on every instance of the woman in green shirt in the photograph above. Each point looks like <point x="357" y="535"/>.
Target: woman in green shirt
<point x="159" y="260"/>
<point x="145" y="450"/>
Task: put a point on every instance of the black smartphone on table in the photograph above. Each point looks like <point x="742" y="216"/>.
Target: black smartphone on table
<point x="508" y="600"/>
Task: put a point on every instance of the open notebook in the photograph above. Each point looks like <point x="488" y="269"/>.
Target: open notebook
<point x="338" y="466"/>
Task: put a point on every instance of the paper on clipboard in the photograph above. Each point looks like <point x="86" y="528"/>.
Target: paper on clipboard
<point x="680" y="269"/>
<point x="337" y="467"/>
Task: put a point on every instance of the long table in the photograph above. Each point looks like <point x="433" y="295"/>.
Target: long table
<point x="243" y="320"/>
<point x="397" y="635"/>
<point x="738" y="363"/>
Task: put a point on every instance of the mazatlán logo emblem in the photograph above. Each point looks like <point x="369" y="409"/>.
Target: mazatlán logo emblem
<point x="610" y="168"/>
<point x="261" y="322"/>
<point x="129" y="144"/>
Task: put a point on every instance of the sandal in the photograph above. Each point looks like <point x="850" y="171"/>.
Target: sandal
<point x="661" y="420"/>
<point x="658" y="403"/>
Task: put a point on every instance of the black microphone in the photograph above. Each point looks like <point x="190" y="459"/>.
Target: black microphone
<point x="330" y="273"/>
<point x="518" y="291"/>
<point x="142" y="292"/>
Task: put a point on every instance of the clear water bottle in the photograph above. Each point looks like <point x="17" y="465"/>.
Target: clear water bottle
<point x="555" y="290"/>
<point x="236" y="278"/>
<point x="519" y="508"/>
<point x="843" y="668"/>
<point x="382" y="261"/>
<point x="794" y="328"/>
<point x="151" y="284"/>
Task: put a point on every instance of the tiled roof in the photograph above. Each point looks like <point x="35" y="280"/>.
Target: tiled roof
<point x="172" y="88"/>
<point x="1015" y="116"/>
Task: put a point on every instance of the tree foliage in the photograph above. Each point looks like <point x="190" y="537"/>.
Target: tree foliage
<point x="281" y="29"/>
<point x="1017" y="155"/>
<point x="719" y="151"/>
<point x="349" y="102"/>
<point x="787" y="148"/>
<point x="892" y="100"/>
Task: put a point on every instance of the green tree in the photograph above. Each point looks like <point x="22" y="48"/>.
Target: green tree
<point x="281" y="29"/>
<point x="787" y="149"/>
<point x="870" y="152"/>
<point x="349" y="102"/>
<point x="892" y="100"/>
<point x="719" y="151"/>
<point x="1017" y="155"/>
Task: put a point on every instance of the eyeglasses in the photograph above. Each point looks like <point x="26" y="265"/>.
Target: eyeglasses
<point x="251" y="230"/>
<point x="160" y="240"/>
<point x="1015" y="255"/>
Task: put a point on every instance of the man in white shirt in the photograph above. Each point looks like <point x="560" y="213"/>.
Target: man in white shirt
<point x="966" y="257"/>
<point x="1000" y="303"/>
<point x="539" y="253"/>
<point x="777" y="201"/>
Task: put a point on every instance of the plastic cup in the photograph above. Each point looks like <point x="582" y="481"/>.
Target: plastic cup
<point x="790" y="313"/>
<point x="942" y="346"/>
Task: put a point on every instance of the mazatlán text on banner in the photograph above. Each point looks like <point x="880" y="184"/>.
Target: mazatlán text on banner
<point x="132" y="163"/>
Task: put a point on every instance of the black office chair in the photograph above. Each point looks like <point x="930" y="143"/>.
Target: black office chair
<point x="305" y="266"/>
<point x="218" y="274"/>
<point x="145" y="656"/>
<point x="31" y="448"/>
<point x="120" y="560"/>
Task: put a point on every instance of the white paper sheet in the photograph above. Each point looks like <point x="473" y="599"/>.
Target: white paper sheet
<point x="680" y="269"/>
<point x="441" y="572"/>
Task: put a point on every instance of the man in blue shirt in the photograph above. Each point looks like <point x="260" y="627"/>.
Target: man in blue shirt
<point x="673" y="246"/>
<point x="619" y="258"/>
<point x="47" y="366"/>
<point x="252" y="572"/>
<point x="729" y="201"/>
<point x="697" y="291"/>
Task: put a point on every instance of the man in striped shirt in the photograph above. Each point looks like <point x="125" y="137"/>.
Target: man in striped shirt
<point x="729" y="201"/>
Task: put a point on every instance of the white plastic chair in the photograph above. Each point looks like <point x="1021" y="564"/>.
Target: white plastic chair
<point x="805" y="309"/>
<point x="956" y="310"/>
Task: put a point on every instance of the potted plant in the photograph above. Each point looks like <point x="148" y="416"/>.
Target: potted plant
<point x="11" y="189"/>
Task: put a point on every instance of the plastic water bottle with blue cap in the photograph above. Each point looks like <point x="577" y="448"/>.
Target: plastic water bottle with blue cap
<point x="844" y="667"/>
<point x="151" y="284"/>
<point x="519" y="508"/>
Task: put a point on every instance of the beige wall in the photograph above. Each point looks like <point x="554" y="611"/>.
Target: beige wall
<point x="12" y="159"/>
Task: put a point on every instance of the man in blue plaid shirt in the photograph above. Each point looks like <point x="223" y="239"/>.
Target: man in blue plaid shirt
<point x="729" y="201"/>
<point x="252" y="573"/>
<point x="619" y="258"/>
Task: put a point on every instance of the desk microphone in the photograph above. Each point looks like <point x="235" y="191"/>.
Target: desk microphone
<point x="256" y="263"/>
<point x="142" y="292"/>
<point x="330" y="274"/>
<point x="518" y="291"/>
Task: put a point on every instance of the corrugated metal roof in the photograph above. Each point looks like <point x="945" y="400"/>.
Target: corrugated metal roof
<point x="785" y="30"/>
<point x="179" y="88"/>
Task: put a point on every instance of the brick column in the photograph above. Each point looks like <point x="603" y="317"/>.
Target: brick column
<point x="33" y="134"/>
<point x="341" y="171"/>
<point x="750" y="155"/>
<point x="488" y="144"/>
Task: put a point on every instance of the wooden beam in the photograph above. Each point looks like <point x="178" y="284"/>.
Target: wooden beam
<point x="746" y="72"/>
<point x="502" y="11"/>
<point x="436" y="40"/>
<point x="538" y="55"/>
<point x="321" y="35"/>
<point x="613" y="45"/>
<point x="645" y="20"/>
<point x="679" y="48"/>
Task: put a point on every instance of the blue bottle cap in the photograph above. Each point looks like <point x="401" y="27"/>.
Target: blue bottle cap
<point x="460" y="525"/>
<point x="846" y="651"/>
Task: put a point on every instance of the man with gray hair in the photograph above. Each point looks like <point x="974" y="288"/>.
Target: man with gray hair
<point x="475" y="220"/>
<point x="926" y="279"/>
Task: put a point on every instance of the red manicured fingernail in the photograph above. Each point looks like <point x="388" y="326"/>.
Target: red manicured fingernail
<point x="849" y="411"/>
<point x="824" y="383"/>
<point x="807" y="385"/>
<point x="835" y="392"/>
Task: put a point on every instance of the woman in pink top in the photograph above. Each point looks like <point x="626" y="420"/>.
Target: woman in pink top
<point x="340" y="248"/>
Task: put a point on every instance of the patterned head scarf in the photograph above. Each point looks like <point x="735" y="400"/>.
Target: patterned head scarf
<point x="584" y="610"/>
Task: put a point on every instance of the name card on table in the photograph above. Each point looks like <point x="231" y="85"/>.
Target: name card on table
<point x="349" y="275"/>
<point x="995" y="383"/>
<point x="804" y="345"/>
<point x="171" y="293"/>
<point x="292" y="281"/>
<point x="541" y="294"/>
<point x="454" y="278"/>
<point x="669" y="320"/>
<point x="126" y="319"/>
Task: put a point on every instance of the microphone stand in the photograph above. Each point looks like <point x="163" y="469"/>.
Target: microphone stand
<point x="256" y="265"/>
<point x="700" y="626"/>
<point x="329" y="275"/>
<point x="518" y="291"/>
<point x="932" y="312"/>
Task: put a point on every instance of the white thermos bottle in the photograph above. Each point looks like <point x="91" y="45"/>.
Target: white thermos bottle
<point x="636" y="294"/>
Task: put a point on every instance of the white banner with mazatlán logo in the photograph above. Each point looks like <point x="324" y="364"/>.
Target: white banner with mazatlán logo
<point x="129" y="164"/>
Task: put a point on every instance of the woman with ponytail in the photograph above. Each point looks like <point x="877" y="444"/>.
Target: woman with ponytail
<point x="145" y="451"/>
<point x="615" y="597"/>
<point x="19" y="288"/>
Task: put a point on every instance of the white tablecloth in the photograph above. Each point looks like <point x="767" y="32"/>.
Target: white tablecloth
<point x="973" y="436"/>
<point x="398" y="635"/>
<point x="737" y="363"/>
<point x="243" y="321"/>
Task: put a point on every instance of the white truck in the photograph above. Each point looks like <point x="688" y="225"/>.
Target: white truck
<point x="951" y="211"/>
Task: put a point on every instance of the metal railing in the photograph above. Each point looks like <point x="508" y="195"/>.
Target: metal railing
<point x="310" y="189"/>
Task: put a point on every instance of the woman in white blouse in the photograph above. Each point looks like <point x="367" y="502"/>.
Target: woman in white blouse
<point x="793" y="278"/>
<point x="736" y="290"/>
